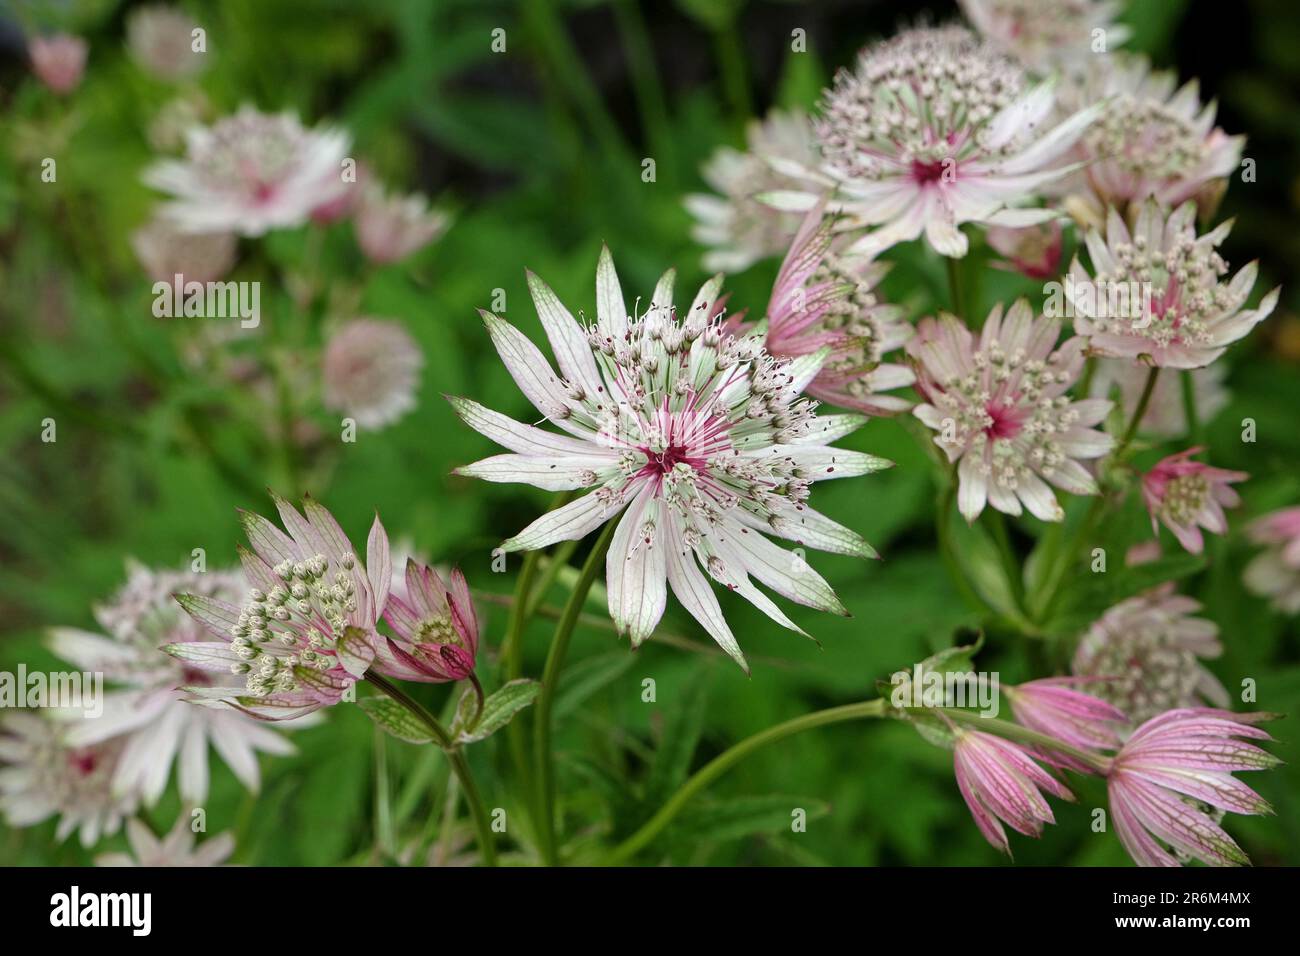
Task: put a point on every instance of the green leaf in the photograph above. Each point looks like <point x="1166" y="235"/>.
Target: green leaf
<point x="745" y="816"/>
<point x="395" y="719"/>
<point x="681" y="734"/>
<point x="498" y="710"/>
<point x="587" y="677"/>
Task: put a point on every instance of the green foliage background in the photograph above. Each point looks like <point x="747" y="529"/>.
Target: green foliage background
<point x="539" y="149"/>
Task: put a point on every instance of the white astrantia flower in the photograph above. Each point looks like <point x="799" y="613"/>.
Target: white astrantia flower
<point x="175" y="849"/>
<point x="934" y="129"/>
<point x="370" y="371"/>
<point x="250" y="173"/>
<point x="999" y="405"/>
<point x="738" y="228"/>
<point x="1156" y="291"/>
<point x="42" y="776"/>
<point x="1048" y="35"/>
<point x="699" y="438"/>
<point x="145" y="711"/>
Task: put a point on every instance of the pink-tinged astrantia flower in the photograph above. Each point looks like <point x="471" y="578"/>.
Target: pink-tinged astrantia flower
<point x="1150" y="141"/>
<point x="1000" y="781"/>
<point x="435" y="629"/>
<point x="42" y="776"/>
<point x="1033" y="251"/>
<point x="1000" y="409"/>
<point x="824" y="300"/>
<point x="58" y="61"/>
<point x="166" y="252"/>
<point x="175" y="849"/>
<point x="1144" y="655"/>
<point x="1156" y="291"/>
<point x="1056" y="707"/>
<point x="1047" y="35"/>
<point x="1275" y="572"/>
<point x="161" y="41"/>
<point x="250" y="173"/>
<point x="934" y="129"/>
<point x="1187" y="495"/>
<point x="739" y="229"/>
<point x="390" y="228"/>
<point x="146" y="711"/>
<point x="699" y="437"/>
<point x="306" y="632"/>
<point x="1166" y="414"/>
<point x="1175" y="768"/>
<point x="370" y="371"/>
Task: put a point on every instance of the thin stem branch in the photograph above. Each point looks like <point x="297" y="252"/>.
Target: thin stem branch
<point x="720" y="764"/>
<point x="545" y="759"/>
<point x="455" y="756"/>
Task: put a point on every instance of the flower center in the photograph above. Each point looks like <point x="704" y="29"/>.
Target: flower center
<point x="84" y="761"/>
<point x="1185" y="497"/>
<point x="1006" y="420"/>
<point x="928" y="173"/>
<point x="660" y="463"/>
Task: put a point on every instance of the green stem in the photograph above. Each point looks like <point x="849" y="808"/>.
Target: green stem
<point x="545" y="759"/>
<point x="731" y="61"/>
<point x="1010" y="566"/>
<point x="455" y="756"/>
<point x="556" y="562"/>
<point x="720" y="764"/>
<point x="954" y="289"/>
<point x="1139" y="413"/>
<point x="1005" y="728"/>
<point x="943" y="531"/>
<point x="647" y="85"/>
<point x="1189" y="407"/>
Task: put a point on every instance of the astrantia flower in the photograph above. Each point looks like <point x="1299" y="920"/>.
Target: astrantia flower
<point x="1187" y="495"/>
<point x="1000" y="781"/>
<point x="1156" y="291"/>
<point x="435" y="628"/>
<point x="1046" y="35"/>
<point x="161" y="41"/>
<point x="166" y="252"/>
<point x="1000" y="409"/>
<point x="1056" y="707"/>
<point x="147" y="711"/>
<point x="824" y="300"/>
<point x="700" y="435"/>
<point x="390" y="228"/>
<point x="41" y="776"/>
<point x="1166" y="416"/>
<point x="250" y="173"/>
<point x="1275" y="572"/>
<point x="1170" y="771"/>
<point x="58" y="61"/>
<point x="175" y="849"/>
<point x="935" y="129"/>
<point x="370" y="371"/>
<point x="1144" y="655"/>
<point x="1151" y="141"/>
<point x="740" y="229"/>
<point x="306" y="632"/>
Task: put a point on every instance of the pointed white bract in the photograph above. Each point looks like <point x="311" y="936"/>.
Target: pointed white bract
<point x="700" y="439"/>
<point x="934" y="129"/>
<point x="175" y="849"/>
<point x="999" y="406"/>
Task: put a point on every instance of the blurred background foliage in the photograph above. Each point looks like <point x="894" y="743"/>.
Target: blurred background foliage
<point x="539" y="150"/>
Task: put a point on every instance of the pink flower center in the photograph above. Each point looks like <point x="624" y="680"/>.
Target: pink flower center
<point x="926" y="174"/>
<point x="1007" y="422"/>
<point x="660" y="463"/>
<point x="84" y="762"/>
